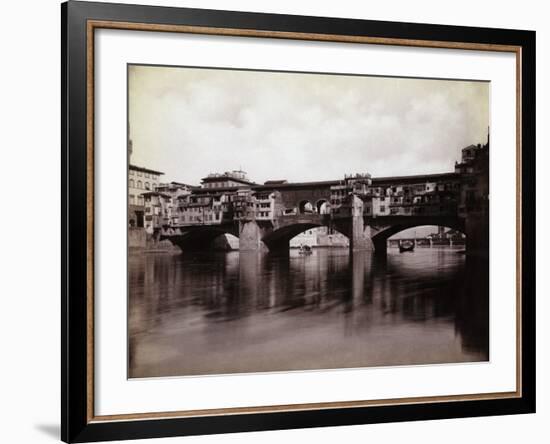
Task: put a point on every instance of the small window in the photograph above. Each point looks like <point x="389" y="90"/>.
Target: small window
<point x="139" y="184"/>
<point x="147" y="186"/>
<point x="131" y="183"/>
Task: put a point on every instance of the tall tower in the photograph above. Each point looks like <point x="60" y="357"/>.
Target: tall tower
<point x="129" y="144"/>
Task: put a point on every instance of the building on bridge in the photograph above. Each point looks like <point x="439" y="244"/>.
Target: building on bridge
<point x="424" y="196"/>
<point x="368" y="211"/>
<point x="229" y="179"/>
<point x="206" y="207"/>
<point x="224" y="198"/>
<point x="156" y="210"/>
<point x="161" y="205"/>
<point x="341" y="193"/>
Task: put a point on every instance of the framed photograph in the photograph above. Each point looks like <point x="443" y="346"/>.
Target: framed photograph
<point x="275" y="221"/>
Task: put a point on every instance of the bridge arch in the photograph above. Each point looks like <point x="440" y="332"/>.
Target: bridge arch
<point x="382" y="234"/>
<point x="279" y="239"/>
<point x="197" y="238"/>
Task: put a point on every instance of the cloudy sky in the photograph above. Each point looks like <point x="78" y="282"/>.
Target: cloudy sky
<point x="189" y="122"/>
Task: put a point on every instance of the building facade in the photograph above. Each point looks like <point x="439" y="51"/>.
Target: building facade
<point x="228" y="179"/>
<point x="231" y="199"/>
<point x="413" y="197"/>
<point x="140" y="181"/>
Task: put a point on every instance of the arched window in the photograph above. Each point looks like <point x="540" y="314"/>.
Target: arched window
<point x="139" y="185"/>
<point x="323" y="207"/>
<point x="305" y="207"/>
<point x="147" y="187"/>
<point x="131" y="183"/>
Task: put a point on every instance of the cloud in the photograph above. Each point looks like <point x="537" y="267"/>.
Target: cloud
<point x="189" y="122"/>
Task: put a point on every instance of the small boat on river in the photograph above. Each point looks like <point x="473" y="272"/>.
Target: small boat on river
<point x="305" y="250"/>
<point x="405" y="246"/>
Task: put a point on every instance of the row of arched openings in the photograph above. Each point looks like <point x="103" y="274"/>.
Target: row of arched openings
<point x="321" y="207"/>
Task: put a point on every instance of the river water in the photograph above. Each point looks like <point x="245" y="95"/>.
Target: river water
<point x="217" y="312"/>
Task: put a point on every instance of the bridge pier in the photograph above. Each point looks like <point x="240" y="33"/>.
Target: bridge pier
<point x="250" y="237"/>
<point x="381" y="247"/>
<point x="477" y="235"/>
<point x="360" y="239"/>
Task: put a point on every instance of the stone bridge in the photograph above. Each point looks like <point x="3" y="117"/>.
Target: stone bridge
<point x="366" y="210"/>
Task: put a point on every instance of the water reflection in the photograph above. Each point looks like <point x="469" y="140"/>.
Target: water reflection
<point x="208" y="313"/>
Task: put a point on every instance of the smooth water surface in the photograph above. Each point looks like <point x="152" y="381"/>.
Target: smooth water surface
<point x="215" y="313"/>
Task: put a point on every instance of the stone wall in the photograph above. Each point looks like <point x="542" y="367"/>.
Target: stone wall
<point x="139" y="240"/>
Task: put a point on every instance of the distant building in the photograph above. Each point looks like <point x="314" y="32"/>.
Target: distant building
<point x="308" y="237"/>
<point x="229" y="179"/>
<point x="455" y="235"/>
<point x="444" y="233"/>
<point x="140" y="180"/>
<point x="319" y="237"/>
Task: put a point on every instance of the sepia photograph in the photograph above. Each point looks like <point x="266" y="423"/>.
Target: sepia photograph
<point x="298" y="221"/>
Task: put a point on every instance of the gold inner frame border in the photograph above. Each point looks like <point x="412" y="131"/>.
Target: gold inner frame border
<point x="92" y="25"/>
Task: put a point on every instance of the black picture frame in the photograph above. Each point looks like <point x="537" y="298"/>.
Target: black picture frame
<point x="76" y="423"/>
